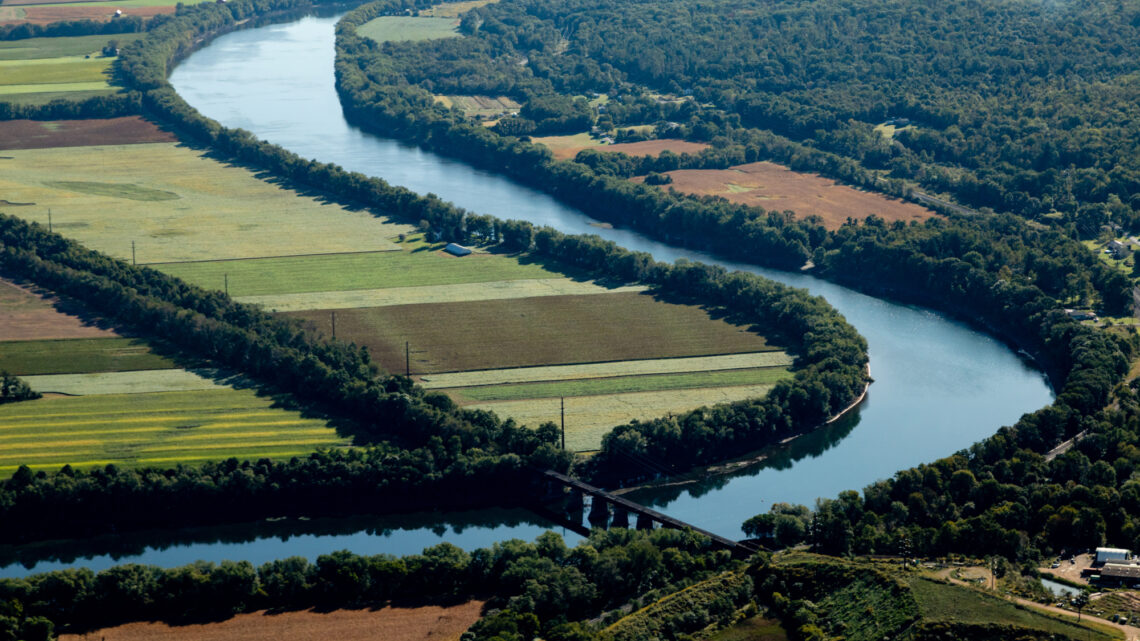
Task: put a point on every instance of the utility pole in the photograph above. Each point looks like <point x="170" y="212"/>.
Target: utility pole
<point x="407" y="359"/>
<point x="49" y="220"/>
<point x="133" y="253"/>
<point x="334" y="325"/>
<point x="227" y="277"/>
<point x="562" y="404"/>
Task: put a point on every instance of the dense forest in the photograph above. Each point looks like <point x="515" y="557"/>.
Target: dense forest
<point x="1022" y="107"/>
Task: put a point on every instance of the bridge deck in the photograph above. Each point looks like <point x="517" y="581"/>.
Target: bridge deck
<point x="636" y="508"/>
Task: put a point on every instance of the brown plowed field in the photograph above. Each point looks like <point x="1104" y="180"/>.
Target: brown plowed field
<point x="525" y="332"/>
<point x="41" y="14"/>
<point x="429" y="623"/>
<point x="643" y="148"/>
<point x="28" y="314"/>
<point x="32" y="134"/>
<point x="777" y="188"/>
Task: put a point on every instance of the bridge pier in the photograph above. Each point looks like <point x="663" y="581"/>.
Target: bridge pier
<point x="644" y="522"/>
<point x="621" y="517"/>
<point x="574" y="503"/>
<point x="599" y="511"/>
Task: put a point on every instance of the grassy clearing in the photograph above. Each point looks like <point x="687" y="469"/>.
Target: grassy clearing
<point x="154" y="429"/>
<point x="76" y="356"/>
<point x="112" y="4"/>
<point x="221" y="211"/>
<point x="416" y="266"/>
<point x="53" y="72"/>
<point x="576" y="143"/>
<point x="589" y="418"/>
<point x="622" y="385"/>
<point x="454" y="9"/>
<point x="42" y="97"/>
<point x="63" y="88"/>
<point x="482" y="106"/>
<point x="525" y="332"/>
<point x="496" y="290"/>
<point x="407" y="29"/>
<point x="142" y="382"/>
<point x="772" y="358"/>
<point x="33" y="48"/>
<point x="944" y="602"/>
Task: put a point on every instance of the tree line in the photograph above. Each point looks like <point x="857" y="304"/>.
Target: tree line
<point x="540" y="588"/>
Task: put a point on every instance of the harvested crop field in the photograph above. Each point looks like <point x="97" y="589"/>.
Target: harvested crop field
<point x="47" y="14"/>
<point x="30" y="313"/>
<point x="175" y="204"/>
<point x="772" y="358"/>
<point x="776" y="188"/>
<point x="495" y="290"/>
<point x="79" y="355"/>
<point x="427" y="623"/>
<point x="589" y="418"/>
<point x="484" y="106"/>
<point x="34" y="134"/>
<point x="162" y="429"/>
<point x="416" y="266"/>
<point x="525" y="332"/>
<point x="140" y="382"/>
<point x="566" y="147"/>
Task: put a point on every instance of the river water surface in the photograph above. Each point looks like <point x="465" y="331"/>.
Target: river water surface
<point x="939" y="385"/>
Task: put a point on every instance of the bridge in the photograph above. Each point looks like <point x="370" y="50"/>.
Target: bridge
<point x="614" y="511"/>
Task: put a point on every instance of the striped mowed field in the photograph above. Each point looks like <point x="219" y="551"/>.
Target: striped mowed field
<point x="160" y="429"/>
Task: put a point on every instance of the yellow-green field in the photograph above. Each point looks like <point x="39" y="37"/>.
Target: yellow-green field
<point x="622" y="384"/>
<point x="407" y="28"/>
<point x="773" y="358"/>
<point x="24" y="79"/>
<point x="159" y="380"/>
<point x="418" y="265"/>
<point x="588" y="418"/>
<point x="483" y="106"/>
<point x="107" y="196"/>
<point x="38" y="48"/>
<point x="453" y="9"/>
<point x="494" y="290"/>
<point x="160" y="429"/>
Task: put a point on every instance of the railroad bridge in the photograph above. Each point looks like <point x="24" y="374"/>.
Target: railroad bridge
<point x="615" y="511"/>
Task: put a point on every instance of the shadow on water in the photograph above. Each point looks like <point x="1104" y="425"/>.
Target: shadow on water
<point x="775" y="457"/>
<point x="138" y="546"/>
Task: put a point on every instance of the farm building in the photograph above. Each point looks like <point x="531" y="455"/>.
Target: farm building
<point x="1111" y="555"/>
<point x="456" y="250"/>
<point x="1080" y="314"/>
<point x="1119" y="573"/>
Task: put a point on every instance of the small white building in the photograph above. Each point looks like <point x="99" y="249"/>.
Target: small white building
<point x="1111" y="555"/>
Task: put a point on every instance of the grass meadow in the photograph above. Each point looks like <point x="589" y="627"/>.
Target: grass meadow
<point x="134" y="382"/>
<point x="418" y="265"/>
<point x="540" y="331"/>
<point x="38" y="48"/>
<point x="161" y="429"/>
<point x="78" y="356"/>
<point x="622" y="385"/>
<point x="589" y="418"/>
<point x="107" y="197"/>
<point x="553" y="373"/>
<point x="407" y="28"/>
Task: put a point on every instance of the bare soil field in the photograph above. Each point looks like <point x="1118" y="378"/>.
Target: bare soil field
<point x="428" y="623"/>
<point x="776" y="188"/>
<point x="566" y="147"/>
<point x="522" y="332"/>
<point x="32" y="314"/>
<point x="40" y="14"/>
<point x="34" y="134"/>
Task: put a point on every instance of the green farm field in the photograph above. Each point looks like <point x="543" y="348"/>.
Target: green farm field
<point x="943" y="602"/>
<point x="612" y="369"/>
<point x="77" y="356"/>
<point x="453" y="9"/>
<point x="406" y="28"/>
<point x="160" y="429"/>
<point x="175" y="204"/>
<point x="132" y="382"/>
<point x="43" y="94"/>
<point x="102" y="3"/>
<point x="417" y="265"/>
<point x="589" y="418"/>
<point x="33" y="48"/>
<point x="542" y="331"/>
<point x="54" y="72"/>
<point x="620" y="385"/>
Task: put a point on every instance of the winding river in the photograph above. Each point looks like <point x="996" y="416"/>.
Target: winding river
<point x="939" y="385"/>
